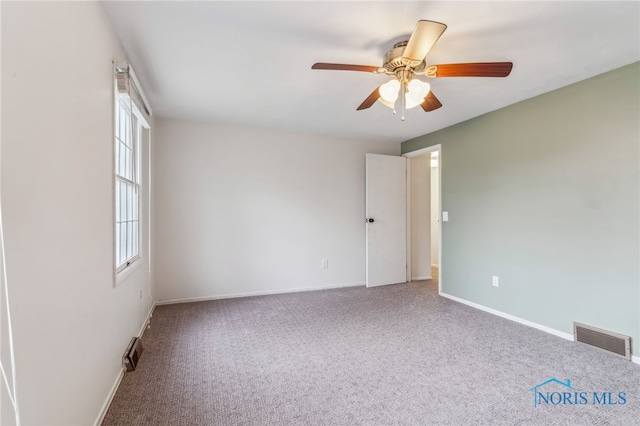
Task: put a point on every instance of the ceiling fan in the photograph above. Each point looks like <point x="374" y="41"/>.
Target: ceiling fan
<point x="405" y="61"/>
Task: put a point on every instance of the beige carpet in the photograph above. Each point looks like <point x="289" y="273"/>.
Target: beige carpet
<point x="394" y="355"/>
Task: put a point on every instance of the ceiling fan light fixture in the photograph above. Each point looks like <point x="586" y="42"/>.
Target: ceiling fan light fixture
<point x="418" y="90"/>
<point x="389" y="91"/>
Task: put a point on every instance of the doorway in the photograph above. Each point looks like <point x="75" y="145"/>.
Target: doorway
<point x="434" y="165"/>
<point x="423" y="214"/>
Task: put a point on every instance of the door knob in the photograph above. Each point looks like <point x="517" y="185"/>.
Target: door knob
<point x="370" y="220"/>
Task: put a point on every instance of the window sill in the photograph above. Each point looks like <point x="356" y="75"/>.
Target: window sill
<point x="126" y="272"/>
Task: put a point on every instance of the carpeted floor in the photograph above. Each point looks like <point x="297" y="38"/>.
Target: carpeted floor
<point x="394" y="355"/>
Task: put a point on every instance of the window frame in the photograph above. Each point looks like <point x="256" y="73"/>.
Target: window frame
<point x="123" y="103"/>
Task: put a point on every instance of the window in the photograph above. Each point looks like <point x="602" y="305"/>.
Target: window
<point x="131" y="120"/>
<point x="127" y="184"/>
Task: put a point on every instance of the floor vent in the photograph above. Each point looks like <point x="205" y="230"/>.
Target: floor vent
<point x="132" y="354"/>
<point x="603" y="339"/>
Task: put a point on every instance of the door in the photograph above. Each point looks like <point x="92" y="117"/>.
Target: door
<point x="386" y="220"/>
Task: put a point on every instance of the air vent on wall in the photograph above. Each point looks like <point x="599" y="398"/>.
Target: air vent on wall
<point x="606" y="340"/>
<point x="132" y="354"/>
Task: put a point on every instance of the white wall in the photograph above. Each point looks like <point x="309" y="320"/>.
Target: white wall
<point x="70" y="324"/>
<point x="8" y="407"/>
<point x="420" y="201"/>
<point x="241" y="211"/>
<point x="435" y="216"/>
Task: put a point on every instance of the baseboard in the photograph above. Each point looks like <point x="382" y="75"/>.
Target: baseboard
<point x="116" y="384"/>
<point x="568" y="336"/>
<point x="256" y="293"/>
<point x="522" y="321"/>
<point x="146" y="321"/>
<point x="425" y="277"/>
<point x="107" y="402"/>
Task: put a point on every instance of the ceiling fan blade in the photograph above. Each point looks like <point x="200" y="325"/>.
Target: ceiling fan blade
<point x="344" y="67"/>
<point x="478" y="69"/>
<point x="422" y="40"/>
<point x="373" y="97"/>
<point x="430" y="103"/>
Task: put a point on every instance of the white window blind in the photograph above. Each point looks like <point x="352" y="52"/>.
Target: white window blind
<point x="127" y="87"/>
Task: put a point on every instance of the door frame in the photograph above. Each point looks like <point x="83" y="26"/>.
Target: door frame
<point x="417" y="153"/>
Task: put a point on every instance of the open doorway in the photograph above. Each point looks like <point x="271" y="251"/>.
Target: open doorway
<point x="434" y="163"/>
<point x="423" y="214"/>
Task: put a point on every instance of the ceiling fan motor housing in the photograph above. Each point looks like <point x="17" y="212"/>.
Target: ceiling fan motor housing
<point x="393" y="59"/>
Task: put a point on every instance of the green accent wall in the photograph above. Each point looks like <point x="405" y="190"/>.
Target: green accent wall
<point x="545" y="194"/>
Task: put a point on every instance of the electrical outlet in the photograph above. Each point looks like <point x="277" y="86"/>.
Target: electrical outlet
<point x="495" y="281"/>
<point x="325" y="263"/>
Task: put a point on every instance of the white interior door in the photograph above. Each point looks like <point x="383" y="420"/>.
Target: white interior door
<point x="386" y="216"/>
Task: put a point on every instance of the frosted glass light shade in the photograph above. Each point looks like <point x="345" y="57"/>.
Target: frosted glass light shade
<point x="418" y="90"/>
<point x="389" y="91"/>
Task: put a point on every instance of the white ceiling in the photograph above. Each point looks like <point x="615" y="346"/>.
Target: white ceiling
<point x="249" y="63"/>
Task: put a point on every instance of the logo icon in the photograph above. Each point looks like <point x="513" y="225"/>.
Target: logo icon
<point x="539" y="396"/>
<point x="563" y="393"/>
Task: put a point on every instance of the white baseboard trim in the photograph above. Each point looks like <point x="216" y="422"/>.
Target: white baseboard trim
<point x="425" y="277"/>
<point x="568" y="336"/>
<point x="107" y="402"/>
<point x="254" y="293"/>
<point x="146" y="322"/>
<point x="116" y="384"/>
<point x="522" y="321"/>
